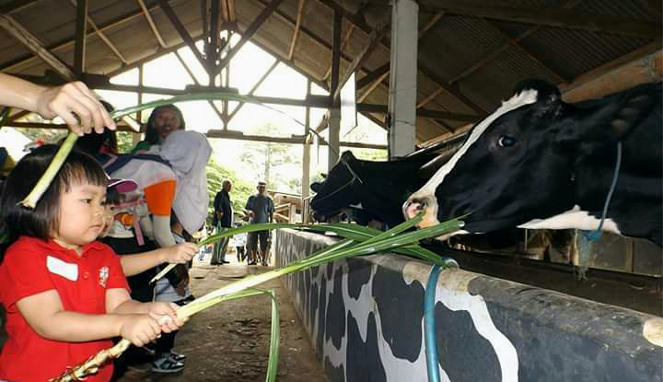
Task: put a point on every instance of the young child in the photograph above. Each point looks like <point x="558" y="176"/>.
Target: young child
<point x="65" y="293"/>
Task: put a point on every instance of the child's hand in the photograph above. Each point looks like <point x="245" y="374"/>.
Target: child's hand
<point x="180" y="253"/>
<point x="139" y="329"/>
<point x="165" y="314"/>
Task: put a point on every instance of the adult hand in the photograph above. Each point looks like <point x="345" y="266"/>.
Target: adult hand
<point x="77" y="105"/>
<point x="139" y="328"/>
<point x="180" y="253"/>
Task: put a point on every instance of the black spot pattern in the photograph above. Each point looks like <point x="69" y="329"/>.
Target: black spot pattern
<point x="322" y="308"/>
<point x="334" y="374"/>
<point x="335" y="325"/>
<point x="359" y="274"/>
<point x="477" y="361"/>
<point x="363" y="358"/>
<point x="400" y="307"/>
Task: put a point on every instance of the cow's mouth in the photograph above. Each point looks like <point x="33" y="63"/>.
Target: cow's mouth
<point x="413" y="206"/>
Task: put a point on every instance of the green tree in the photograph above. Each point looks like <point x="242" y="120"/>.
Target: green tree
<point x="266" y="158"/>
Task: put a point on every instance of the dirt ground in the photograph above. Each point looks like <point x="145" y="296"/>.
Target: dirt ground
<point x="230" y="341"/>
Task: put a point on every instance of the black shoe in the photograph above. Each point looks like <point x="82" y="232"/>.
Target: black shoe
<point x="225" y="262"/>
<point x="167" y="365"/>
<point x="177" y="357"/>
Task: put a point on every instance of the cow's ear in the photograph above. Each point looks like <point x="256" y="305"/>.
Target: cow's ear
<point x="612" y="121"/>
<point x="548" y="97"/>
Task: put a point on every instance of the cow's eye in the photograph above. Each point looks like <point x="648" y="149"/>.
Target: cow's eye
<point x="506" y="141"/>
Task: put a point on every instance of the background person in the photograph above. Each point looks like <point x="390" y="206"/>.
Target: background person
<point x="260" y="209"/>
<point x="162" y="122"/>
<point x="223" y="218"/>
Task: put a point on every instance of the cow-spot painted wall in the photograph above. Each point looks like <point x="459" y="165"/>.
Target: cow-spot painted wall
<point x="365" y="320"/>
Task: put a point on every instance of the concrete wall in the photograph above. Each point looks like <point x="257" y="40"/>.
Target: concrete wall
<point x="365" y="320"/>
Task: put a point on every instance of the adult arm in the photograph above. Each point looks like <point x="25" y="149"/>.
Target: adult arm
<point x="60" y="101"/>
<point x="159" y="198"/>
<point x="177" y="254"/>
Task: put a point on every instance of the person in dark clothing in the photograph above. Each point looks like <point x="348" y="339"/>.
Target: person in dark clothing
<point x="223" y="220"/>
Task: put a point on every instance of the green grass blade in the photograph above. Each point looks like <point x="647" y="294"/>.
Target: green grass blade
<point x="274" y="340"/>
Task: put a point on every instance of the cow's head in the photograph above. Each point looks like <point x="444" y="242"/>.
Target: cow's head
<point x="518" y="163"/>
<point x="337" y="191"/>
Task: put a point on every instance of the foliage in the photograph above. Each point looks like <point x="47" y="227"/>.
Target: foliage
<point x="47" y="135"/>
<point x="271" y="161"/>
<point x="124" y="142"/>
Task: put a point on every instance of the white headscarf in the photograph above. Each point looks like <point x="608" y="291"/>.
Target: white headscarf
<point x="188" y="153"/>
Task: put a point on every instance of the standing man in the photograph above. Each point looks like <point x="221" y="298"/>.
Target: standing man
<point x="223" y="216"/>
<point x="260" y="209"/>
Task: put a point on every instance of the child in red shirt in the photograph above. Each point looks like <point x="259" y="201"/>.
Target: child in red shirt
<point x="65" y="293"/>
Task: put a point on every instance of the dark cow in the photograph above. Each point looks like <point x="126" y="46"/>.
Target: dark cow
<point x="377" y="188"/>
<point x="538" y="162"/>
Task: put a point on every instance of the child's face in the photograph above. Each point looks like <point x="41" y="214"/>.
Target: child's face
<point x="81" y="215"/>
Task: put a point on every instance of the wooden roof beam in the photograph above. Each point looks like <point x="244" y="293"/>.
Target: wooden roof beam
<point x="36" y="46"/>
<point x="181" y="30"/>
<point x="384" y="69"/>
<point x="336" y="55"/>
<point x="255" y="87"/>
<point x="504" y="46"/>
<point x="298" y="24"/>
<point x="81" y="38"/>
<point x="374" y="39"/>
<point x="351" y="28"/>
<point x="151" y="23"/>
<point x="232" y="11"/>
<point x="195" y="81"/>
<point x="250" y="31"/>
<point x="17" y="5"/>
<point x="103" y="37"/>
<point x="552" y="17"/>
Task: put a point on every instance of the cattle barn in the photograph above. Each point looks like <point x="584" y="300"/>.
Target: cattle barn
<point x="539" y="119"/>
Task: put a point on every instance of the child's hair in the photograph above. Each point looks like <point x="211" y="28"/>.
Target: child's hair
<point x="44" y="220"/>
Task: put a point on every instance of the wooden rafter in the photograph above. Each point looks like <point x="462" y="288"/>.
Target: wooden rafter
<point x="255" y="87"/>
<point x="195" y="81"/>
<point x="36" y="46"/>
<point x="232" y="12"/>
<point x="451" y="89"/>
<point x="103" y="37"/>
<point x="181" y="30"/>
<point x="435" y="114"/>
<point x="361" y="24"/>
<point x="151" y="23"/>
<point x="335" y="54"/>
<point x="17" y="5"/>
<point x="250" y="31"/>
<point x="298" y="24"/>
<point x="503" y="47"/>
<point x="343" y="44"/>
<point x="373" y="41"/>
<point x="552" y="17"/>
<point x="81" y="38"/>
<point x="381" y="73"/>
<point x="212" y="43"/>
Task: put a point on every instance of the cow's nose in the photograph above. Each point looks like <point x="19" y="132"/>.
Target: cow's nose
<point x="413" y="206"/>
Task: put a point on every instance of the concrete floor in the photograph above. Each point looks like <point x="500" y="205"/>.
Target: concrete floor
<point x="230" y="341"/>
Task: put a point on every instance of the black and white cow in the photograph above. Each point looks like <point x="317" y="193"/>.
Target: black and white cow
<point x="538" y="162"/>
<point x="379" y="189"/>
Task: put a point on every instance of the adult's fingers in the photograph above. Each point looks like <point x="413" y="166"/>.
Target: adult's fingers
<point x="70" y="119"/>
<point x="100" y="116"/>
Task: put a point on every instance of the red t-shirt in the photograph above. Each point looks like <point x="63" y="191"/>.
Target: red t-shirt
<point x="33" y="266"/>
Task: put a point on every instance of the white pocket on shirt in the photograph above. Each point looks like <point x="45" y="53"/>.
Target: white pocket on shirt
<point x="67" y="270"/>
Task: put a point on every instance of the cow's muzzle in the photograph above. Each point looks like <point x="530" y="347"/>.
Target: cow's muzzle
<point x="414" y="205"/>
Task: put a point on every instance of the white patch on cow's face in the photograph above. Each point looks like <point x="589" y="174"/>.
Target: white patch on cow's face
<point x="573" y="218"/>
<point x="428" y="190"/>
